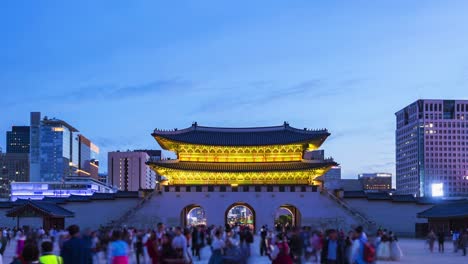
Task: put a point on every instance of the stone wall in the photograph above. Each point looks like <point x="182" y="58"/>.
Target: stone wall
<point x="400" y="217"/>
<point x="315" y="209"/>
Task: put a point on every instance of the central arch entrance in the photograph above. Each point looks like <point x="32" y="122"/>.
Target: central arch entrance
<point x="240" y="214"/>
<point x="287" y="217"/>
<point x="193" y="215"/>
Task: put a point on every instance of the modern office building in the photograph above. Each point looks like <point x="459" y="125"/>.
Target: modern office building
<point x="127" y="171"/>
<point x="380" y="181"/>
<point x="432" y="148"/>
<point x="17" y="140"/>
<point x="34" y="148"/>
<point x="15" y="163"/>
<point x="58" y="151"/>
<point x="88" y="164"/>
<point x="14" y="167"/>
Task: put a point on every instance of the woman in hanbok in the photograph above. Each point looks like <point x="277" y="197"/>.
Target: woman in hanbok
<point x="383" y="250"/>
<point x="395" y="250"/>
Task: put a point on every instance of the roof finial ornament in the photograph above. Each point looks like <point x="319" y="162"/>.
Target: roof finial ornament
<point x="194" y="124"/>
<point x="286" y="124"/>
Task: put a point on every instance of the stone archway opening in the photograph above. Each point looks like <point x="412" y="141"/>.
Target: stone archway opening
<point x="240" y="214"/>
<point x="193" y="215"/>
<point x="287" y="217"/>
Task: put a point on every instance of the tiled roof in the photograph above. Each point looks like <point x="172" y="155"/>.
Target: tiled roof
<point x="126" y="194"/>
<point x="102" y="196"/>
<point x="58" y="200"/>
<point x="447" y="210"/>
<point x="378" y="196"/>
<point x="403" y="198"/>
<point x="355" y="194"/>
<point x="242" y="167"/>
<point x="6" y="204"/>
<point x="47" y="208"/>
<point x="78" y="198"/>
<point x="258" y="136"/>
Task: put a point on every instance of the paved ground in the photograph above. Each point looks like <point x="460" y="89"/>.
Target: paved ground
<point x="414" y="251"/>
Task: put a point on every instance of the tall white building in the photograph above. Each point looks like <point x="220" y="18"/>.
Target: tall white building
<point x="127" y="171"/>
<point x="432" y="148"/>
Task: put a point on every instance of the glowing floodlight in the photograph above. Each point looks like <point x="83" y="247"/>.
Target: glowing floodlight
<point x="437" y="189"/>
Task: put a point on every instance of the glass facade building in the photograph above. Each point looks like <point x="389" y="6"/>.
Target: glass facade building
<point x="17" y="140"/>
<point x="57" y="157"/>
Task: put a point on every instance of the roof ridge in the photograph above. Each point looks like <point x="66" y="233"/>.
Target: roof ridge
<point x="197" y="127"/>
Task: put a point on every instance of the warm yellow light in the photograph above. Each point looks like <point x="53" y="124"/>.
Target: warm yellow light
<point x="274" y="153"/>
<point x="175" y="176"/>
<point x="82" y="171"/>
<point x="57" y="129"/>
<point x="94" y="148"/>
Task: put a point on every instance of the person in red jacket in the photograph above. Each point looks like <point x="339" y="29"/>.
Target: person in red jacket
<point x="279" y="253"/>
<point x="152" y="248"/>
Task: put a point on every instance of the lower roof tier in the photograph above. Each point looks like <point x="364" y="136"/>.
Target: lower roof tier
<point x="265" y="173"/>
<point x="241" y="166"/>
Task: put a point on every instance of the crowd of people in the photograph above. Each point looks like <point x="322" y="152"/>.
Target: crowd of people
<point x="459" y="240"/>
<point x="227" y="244"/>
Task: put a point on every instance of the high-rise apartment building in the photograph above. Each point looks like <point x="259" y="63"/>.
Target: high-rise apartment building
<point x="17" y="140"/>
<point x="432" y="148"/>
<point x="127" y="171"/>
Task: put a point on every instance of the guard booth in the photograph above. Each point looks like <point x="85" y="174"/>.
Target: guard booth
<point x="49" y="214"/>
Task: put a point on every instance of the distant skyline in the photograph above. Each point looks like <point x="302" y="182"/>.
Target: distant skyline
<point x="117" y="69"/>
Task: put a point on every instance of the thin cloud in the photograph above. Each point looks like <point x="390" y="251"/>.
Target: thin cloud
<point x="113" y="92"/>
<point x="261" y="92"/>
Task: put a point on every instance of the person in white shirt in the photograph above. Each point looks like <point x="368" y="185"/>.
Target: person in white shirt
<point x="217" y="248"/>
<point x="179" y="243"/>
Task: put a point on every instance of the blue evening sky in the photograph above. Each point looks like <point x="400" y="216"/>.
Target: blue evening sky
<point x="118" y="69"/>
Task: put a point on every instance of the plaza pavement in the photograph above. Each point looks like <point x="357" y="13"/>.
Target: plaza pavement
<point x="415" y="251"/>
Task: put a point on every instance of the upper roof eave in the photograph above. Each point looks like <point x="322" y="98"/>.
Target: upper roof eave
<point x="252" y="136"/>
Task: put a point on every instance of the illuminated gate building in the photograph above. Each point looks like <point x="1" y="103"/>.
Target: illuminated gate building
<point x="247" y="176"/>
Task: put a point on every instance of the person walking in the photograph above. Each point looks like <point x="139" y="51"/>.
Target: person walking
<point x="431" y="237"/>
<point x="263" y="241"/>
<point x="441" y="240"/>
<point x="179" y="244"/>
<point x="358" y="248"/>
<point x="139" y="247"/>
<point x="3" y="245"/>
<point x="117" y="252"/>
<point x="333" y="251"/>
<point x="296" y="245"/>
<point x="280" y="254"/>
<point x="48" y="257"/>
<point x="152" y="247"/>
<point x="30" y="253"/>
<point x="464" y="242"/>
<point x="217" y="247"/>
<point x="455" y="239"/>
<point x="75" y="250"/>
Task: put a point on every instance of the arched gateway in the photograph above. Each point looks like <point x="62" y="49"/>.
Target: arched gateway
<point x="288" y="216"/>
<point x="193" y="215"/>
<point x="241" y="214"/>
<point x="254" y="165"/>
